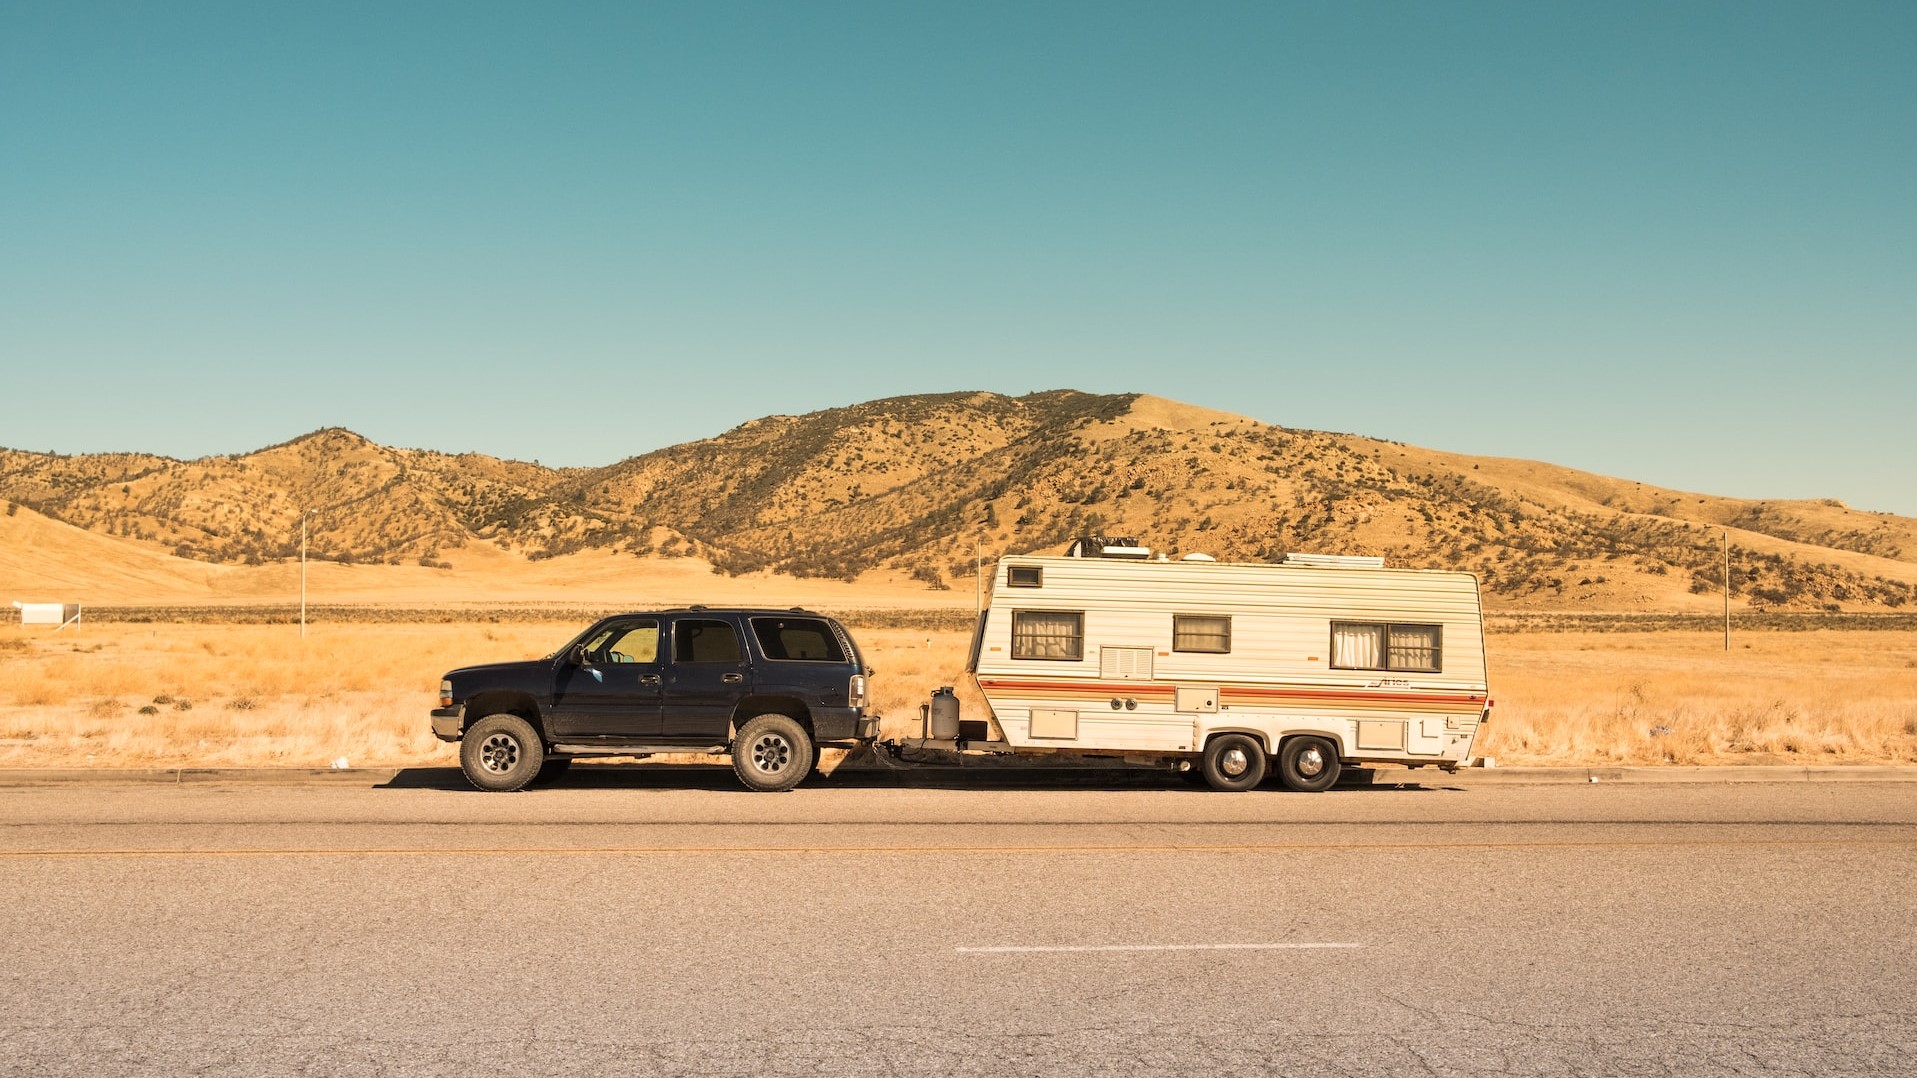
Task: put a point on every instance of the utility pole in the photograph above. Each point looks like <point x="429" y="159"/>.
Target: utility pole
<point x="1727" y="589"/>
<point x="304" y="513"/>
<point x="979" y="574"/>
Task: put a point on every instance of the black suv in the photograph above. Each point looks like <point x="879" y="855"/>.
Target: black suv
<point x="767" y="686"/>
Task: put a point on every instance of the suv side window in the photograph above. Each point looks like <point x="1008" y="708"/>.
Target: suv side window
<point x="797" y="640"/>
<point x="702" y="640"/>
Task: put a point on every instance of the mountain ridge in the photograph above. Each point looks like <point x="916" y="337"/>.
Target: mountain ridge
<point x="919" y="485"/>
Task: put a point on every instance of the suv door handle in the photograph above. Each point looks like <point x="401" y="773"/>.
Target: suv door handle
<point x="649" y="679"/>
<point x="733" y="679"/>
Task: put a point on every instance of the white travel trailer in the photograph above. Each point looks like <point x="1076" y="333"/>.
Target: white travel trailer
<point x="1309" y="664"/>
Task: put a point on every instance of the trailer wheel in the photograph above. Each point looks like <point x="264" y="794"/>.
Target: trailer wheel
<point x="501" y="752"/>
<point x="772" y="753"/>
<point x="1308" y="764"/>
<point x="1234" y="762"/>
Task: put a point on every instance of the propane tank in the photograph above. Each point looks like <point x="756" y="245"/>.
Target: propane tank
<point x="942" y="717"/>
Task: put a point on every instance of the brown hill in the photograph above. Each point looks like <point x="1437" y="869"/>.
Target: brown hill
<point x="370" y="502"/>
<point x="917" y="485"/>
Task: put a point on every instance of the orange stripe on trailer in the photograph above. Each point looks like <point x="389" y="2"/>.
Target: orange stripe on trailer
<point x="1123" y="688"/>
<point x="1368" y="697"/>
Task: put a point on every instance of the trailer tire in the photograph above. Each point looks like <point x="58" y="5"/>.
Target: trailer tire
<point x="772" y="753"/>
<point x="1234" y="762"/>
<point x="501" y="752"/>
<point x="1308" y="764"/>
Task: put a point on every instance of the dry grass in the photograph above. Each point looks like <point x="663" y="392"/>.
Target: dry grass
<point x="198" y="695"/>
<point x="210" y="695"/>
<point x="909" y="664"/>
<point x="1680" y="698"/>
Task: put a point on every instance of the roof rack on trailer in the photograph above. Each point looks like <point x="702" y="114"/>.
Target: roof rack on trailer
<point x="1107" y="546"/>
<point x="1334" y="561"/>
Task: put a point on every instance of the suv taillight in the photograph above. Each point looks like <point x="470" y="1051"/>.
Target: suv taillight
<point x="855" y="693"/>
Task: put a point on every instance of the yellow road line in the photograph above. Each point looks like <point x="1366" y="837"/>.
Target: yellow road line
<point x="652" y="851"/>
<point x="1108" y="948"/>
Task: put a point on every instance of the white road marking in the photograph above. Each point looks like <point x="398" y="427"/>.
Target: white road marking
<point x="1162" y="947"/>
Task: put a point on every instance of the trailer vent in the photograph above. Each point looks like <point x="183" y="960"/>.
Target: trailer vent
<point x="1125" y="664"/>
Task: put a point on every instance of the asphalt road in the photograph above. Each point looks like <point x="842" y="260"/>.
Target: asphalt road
<point x="667" y="923"/>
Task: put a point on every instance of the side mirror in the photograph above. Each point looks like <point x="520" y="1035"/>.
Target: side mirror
<point x="578" y="656"/>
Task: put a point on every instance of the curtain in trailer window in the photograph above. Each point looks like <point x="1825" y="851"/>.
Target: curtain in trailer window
<point x="1414" y="647"/>
<point x="1201" y="633"/>
<point x="1047" y="634"/>
<point x="1357" y="647"/>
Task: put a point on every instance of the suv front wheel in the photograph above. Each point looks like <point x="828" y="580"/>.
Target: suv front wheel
<point x="501" y="752"/>
<point x="772" y="753"/>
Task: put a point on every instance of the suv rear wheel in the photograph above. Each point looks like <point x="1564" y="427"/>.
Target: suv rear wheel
<point x="772" y="753"/>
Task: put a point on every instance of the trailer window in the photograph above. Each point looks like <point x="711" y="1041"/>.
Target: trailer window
<point x="1202" y="633"/>
<point x="1025" y="576"/>
<point x="1414" y="647"/>
<point x="1357" y="645"/>
<point x="1048" y="634"/>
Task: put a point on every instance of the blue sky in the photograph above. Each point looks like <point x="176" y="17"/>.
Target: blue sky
<point x="1674" y="242"/>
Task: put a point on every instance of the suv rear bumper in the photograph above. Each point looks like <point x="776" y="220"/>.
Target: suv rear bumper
<point x="843" y="724"/>
<point x="449" y="722"/>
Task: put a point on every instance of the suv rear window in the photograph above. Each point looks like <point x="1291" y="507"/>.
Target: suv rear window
<point x="798" y="640"/>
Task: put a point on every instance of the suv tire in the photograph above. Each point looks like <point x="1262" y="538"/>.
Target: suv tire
<point x="772" y="753"/>
<point x="501" y="752"/>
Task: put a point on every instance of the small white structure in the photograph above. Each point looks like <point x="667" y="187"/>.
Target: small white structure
<point x="1306" y="665"/>
<point x="56" y="614"/>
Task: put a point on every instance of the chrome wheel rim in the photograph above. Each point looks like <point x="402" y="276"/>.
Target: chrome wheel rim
<point x="771" y="754"/>
<point x="1233" y="762"/>
<point x="499" y="753"/>
<point x="1311" y="761"/>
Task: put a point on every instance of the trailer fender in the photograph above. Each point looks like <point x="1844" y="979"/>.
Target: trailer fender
<point x="1262" y="736"/>
<point x="1336" y="737"/>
